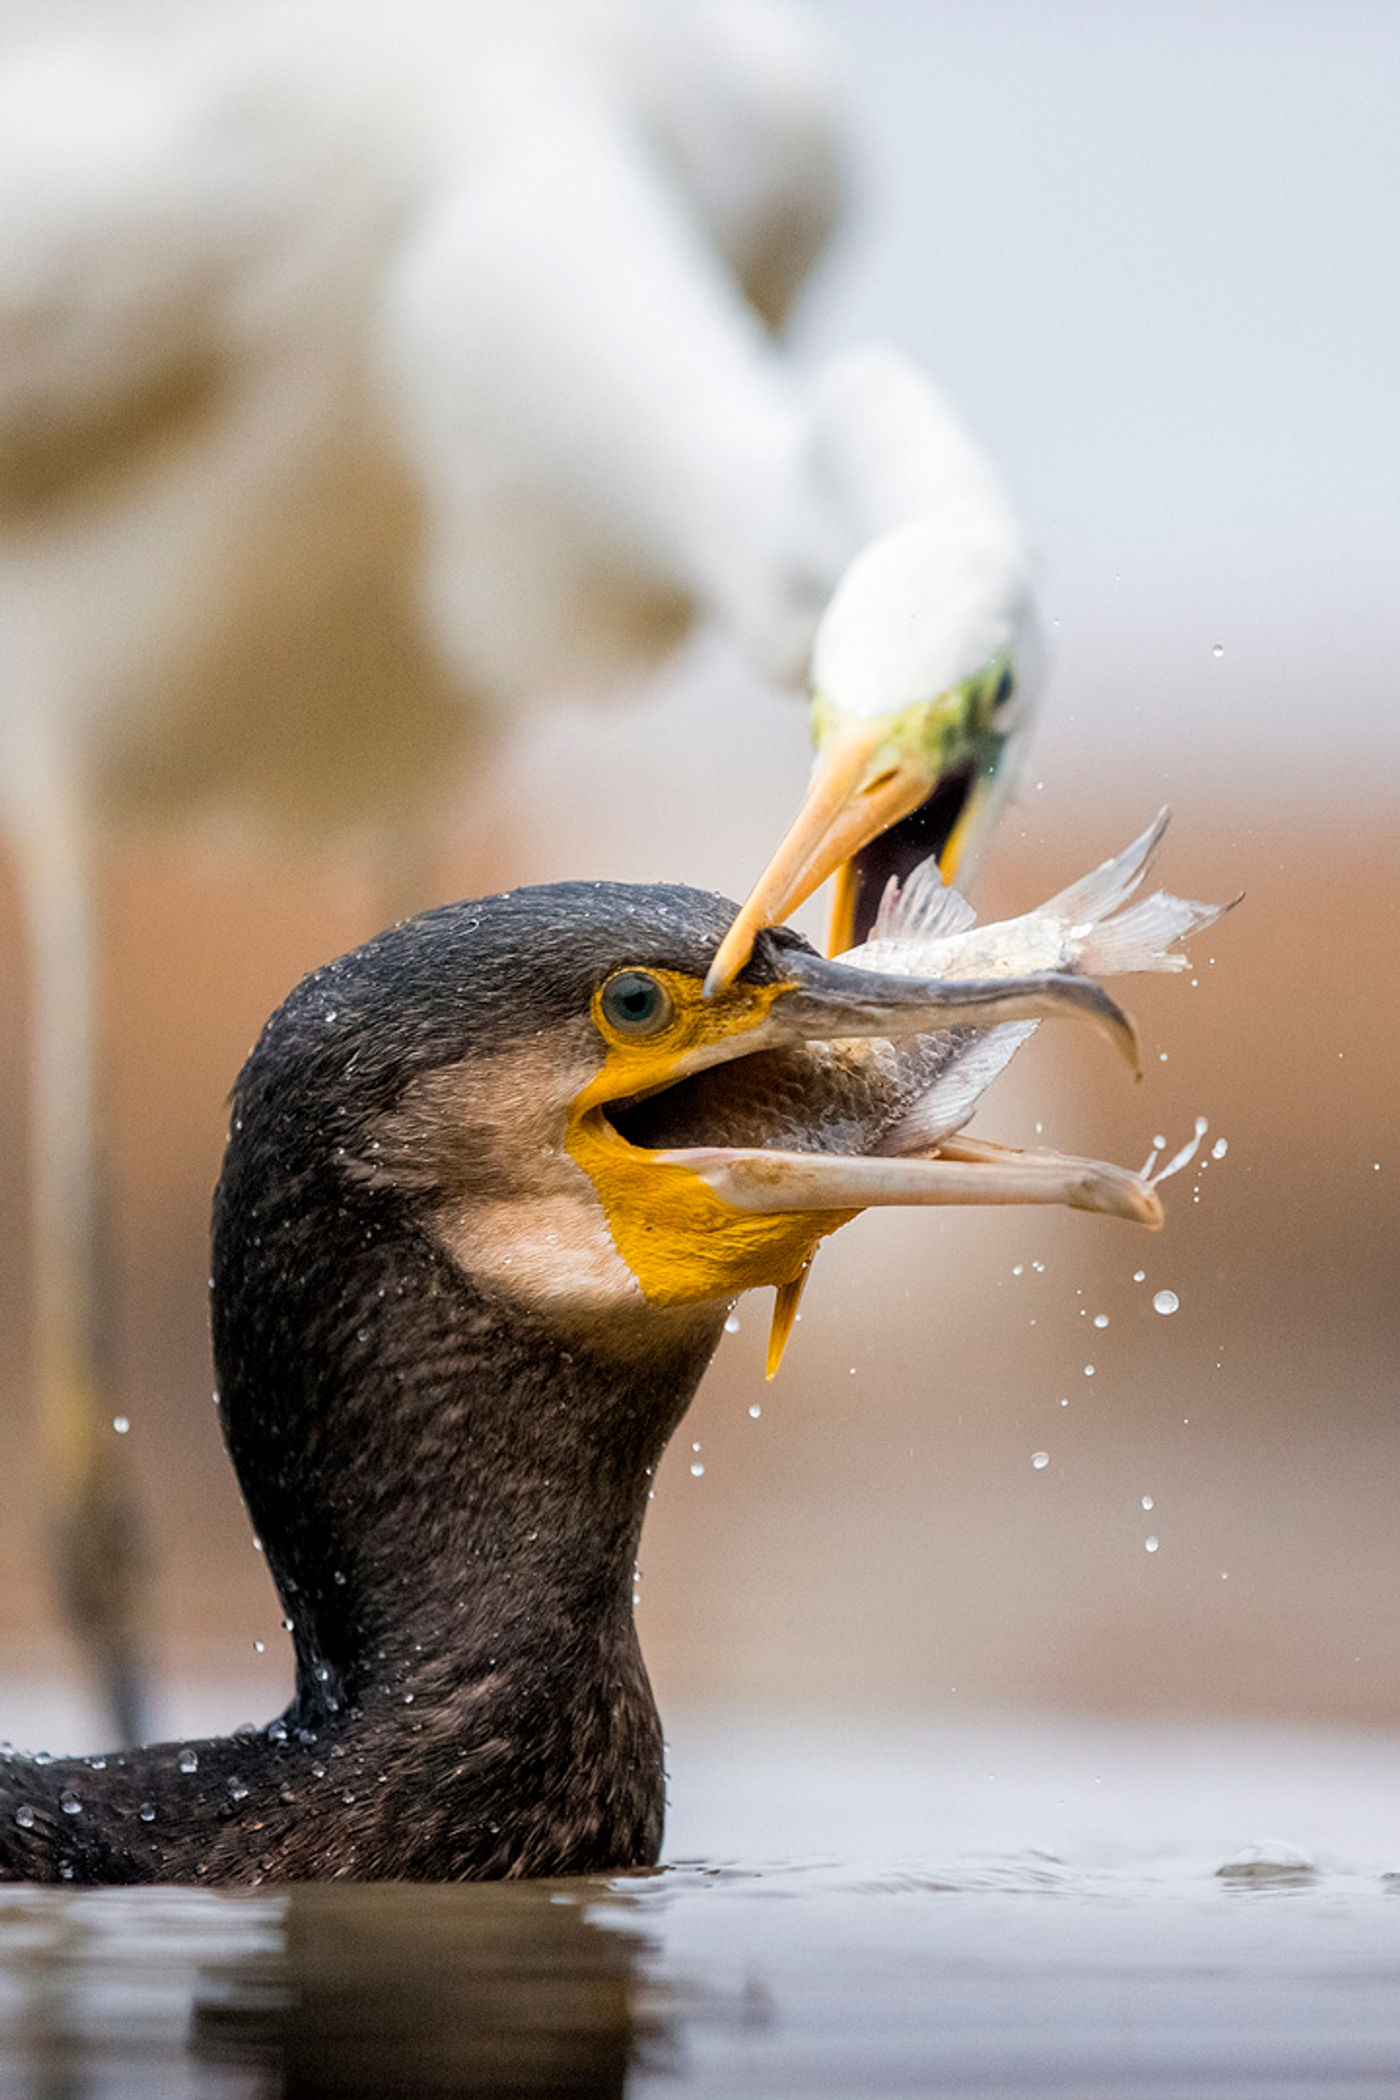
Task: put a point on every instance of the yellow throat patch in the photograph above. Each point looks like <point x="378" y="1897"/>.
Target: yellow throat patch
<point x="681" y="1242"/>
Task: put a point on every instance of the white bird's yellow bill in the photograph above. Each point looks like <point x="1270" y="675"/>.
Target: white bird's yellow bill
<point x="933" y="761"/>
<point x="851" y="798"/>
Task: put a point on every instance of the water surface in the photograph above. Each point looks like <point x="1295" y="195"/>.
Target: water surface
<point x="990" y="1908"/>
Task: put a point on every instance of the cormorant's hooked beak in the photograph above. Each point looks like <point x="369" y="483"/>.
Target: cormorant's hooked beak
<point x="826" y="1001"/>
<point x="915" y="781"/>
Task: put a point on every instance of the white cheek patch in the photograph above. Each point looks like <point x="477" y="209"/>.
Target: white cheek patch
<point x="549" y="1250"/>
<point x="484" y="1142"/>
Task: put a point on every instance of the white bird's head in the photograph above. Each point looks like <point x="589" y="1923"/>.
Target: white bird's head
<point x="923" y="669"/>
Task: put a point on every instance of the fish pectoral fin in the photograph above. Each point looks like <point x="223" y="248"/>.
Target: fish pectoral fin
<point x="779" y="1182"/>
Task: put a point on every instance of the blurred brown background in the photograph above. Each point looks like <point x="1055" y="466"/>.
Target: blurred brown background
<point x="1094" y="230"/>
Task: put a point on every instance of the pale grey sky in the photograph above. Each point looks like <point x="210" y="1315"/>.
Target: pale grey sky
<point x="1151" y="250"/>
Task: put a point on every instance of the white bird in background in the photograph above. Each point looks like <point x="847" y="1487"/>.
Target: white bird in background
<point x="368" y="368"/>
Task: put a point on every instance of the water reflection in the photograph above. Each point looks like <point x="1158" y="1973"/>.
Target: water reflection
<point x="519" y="1990"/>
<point x="515" y="1990"/>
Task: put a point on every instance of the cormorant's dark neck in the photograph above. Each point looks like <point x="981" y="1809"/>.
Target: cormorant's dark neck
<point x="435" y="1475"/>
<point x="450" y="1494"/>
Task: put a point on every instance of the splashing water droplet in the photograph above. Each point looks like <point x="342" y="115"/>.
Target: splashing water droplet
<point x="1088" y="1370"/>
<point x="1218" y="650"/>
<point x="1101" y="1319"/>
<point x="1184" y="1157"/>
<point x="1040" y="1460"/>
<point x="731" y="1325"/>
<point x="147" y="1811"/>
<point x="1151" y="1542"/>
<point x="1272" y="1859"/>
<point x="1147" y="1502"/>
<point x="260" y="1647"/>
<point x="1220" y="1148"/>
<point x="188" y="1760"/>
<point x="697" y="1472"/>
<point x="1165" y="1301"/>
<point x="24" y="1816"/>
<point x="120" y="1424"/>
<point x="1139" y="1275"/>
<point x="754" y="1413"/>
<point x="70" y="1804"/>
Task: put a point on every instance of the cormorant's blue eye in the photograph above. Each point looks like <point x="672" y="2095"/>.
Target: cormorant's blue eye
<point x="636" y="1004"/>
<point x="1005" y="688"/>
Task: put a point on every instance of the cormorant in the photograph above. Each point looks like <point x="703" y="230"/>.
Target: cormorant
<point x="492" y="1183"/>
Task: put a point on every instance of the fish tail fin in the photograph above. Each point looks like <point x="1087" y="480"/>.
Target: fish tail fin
<point x="1144" y="936"/>
<point x="1105" y="888"/>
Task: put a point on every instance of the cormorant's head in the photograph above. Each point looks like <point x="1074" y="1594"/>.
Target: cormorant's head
<point x="923" y="673"/>
<point x="542" y="1080"/>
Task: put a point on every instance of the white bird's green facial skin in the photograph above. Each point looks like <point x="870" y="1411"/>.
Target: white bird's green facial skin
<point x="939" y="735"/>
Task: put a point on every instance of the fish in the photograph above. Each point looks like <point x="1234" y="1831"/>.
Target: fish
<point x="1093" y="928"/>
<point x="908" y="1099"/>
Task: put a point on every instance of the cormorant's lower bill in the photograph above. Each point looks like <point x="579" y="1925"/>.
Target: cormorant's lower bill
<point x="491" y="1184"/>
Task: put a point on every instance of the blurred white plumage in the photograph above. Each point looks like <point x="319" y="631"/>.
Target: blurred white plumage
<point x="367" y="368"/>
